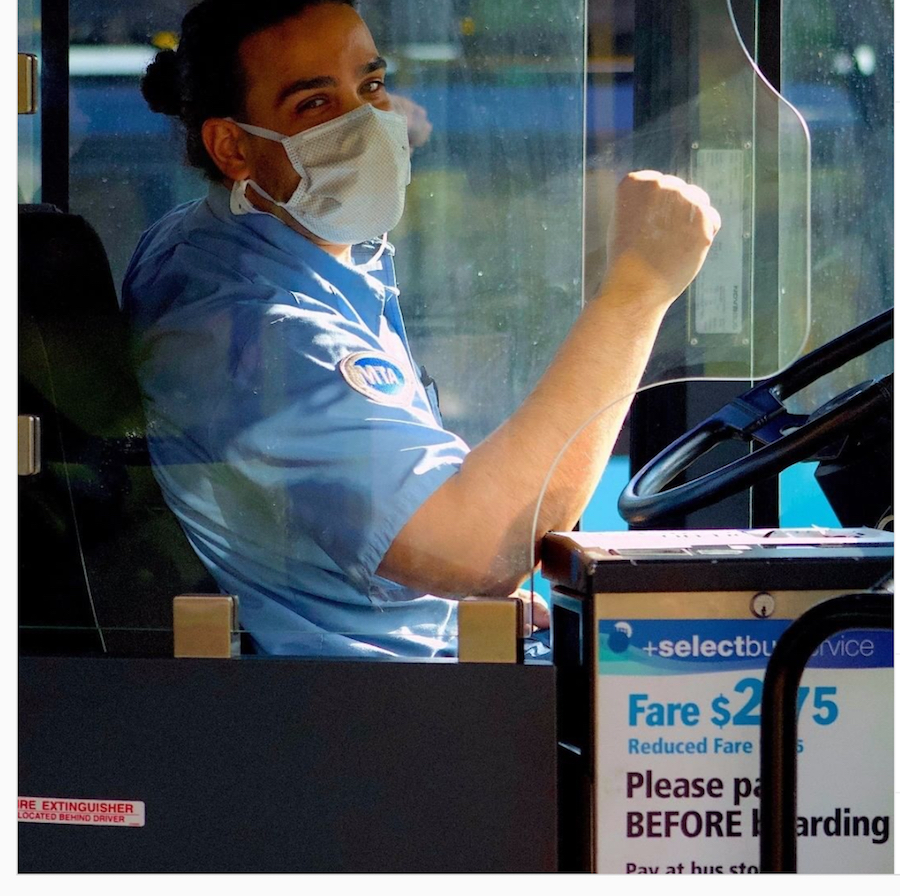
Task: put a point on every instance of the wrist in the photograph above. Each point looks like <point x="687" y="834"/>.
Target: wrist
<point x="637" y="301"/>
<point x="638" y="286"/>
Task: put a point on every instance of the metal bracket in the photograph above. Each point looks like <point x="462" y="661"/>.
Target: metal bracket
<point x="29" y="445"/>
<point x="206" y="626"/>
<point x="490" y="630"/>
<point x="27" y="84"/>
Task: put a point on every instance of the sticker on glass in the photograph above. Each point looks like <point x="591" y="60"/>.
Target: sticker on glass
<point x="719" y="287"/>
<point x="74" y="810"/>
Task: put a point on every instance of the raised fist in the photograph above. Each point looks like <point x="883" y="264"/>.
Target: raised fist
<point x="661" y="231"/>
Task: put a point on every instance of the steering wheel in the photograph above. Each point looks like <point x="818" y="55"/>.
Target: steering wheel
<point x="759" y="417"/>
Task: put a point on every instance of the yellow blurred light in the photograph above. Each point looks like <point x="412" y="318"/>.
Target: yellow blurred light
<point x="165" y="40"/>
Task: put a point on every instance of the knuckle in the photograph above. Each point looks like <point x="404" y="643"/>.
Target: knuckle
<point x="643" y="178"/>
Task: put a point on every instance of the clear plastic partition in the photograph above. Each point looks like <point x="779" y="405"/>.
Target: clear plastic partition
<point x="488" y="260"/>
<point x="718" y="124"/>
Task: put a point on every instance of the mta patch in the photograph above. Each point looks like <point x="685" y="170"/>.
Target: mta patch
<point x="376" y="376"/>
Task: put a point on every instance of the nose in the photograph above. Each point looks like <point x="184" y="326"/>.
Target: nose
<point x="350" y="101"/>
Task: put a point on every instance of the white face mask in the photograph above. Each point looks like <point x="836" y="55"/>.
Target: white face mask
<point x="353" y="175"/>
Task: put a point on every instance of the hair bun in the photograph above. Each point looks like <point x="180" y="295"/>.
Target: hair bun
<point x="161" y="85"/>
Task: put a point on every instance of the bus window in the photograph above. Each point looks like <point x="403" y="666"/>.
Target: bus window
<point x="29" y="127"/>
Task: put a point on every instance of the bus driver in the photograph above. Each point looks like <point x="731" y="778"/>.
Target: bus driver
<point x="288" y="428"/>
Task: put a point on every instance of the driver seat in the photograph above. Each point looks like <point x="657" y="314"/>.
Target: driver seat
<point x="101" y="556"/>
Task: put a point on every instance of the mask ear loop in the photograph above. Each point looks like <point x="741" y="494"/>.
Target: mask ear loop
<point x="240" y="204"/>
<point x="377" y="256"/>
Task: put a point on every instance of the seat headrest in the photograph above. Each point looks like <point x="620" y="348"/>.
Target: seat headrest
<point x="63" y="268"/>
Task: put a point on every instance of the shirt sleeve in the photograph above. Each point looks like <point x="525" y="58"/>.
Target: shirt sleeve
<point x="327" y="434"/>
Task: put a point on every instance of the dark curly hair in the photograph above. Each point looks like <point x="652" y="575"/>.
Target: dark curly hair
<point x="203" y="78"/>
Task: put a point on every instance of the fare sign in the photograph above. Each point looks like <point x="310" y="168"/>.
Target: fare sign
<point x="678" y="716"/>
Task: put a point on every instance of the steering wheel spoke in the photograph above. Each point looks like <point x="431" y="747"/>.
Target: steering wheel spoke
<point x="759" y="416"/>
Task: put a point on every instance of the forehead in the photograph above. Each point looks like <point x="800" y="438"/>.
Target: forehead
<point x="323" y="41"/>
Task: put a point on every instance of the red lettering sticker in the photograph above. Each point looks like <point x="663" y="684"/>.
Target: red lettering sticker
<point x="76" y="810"/>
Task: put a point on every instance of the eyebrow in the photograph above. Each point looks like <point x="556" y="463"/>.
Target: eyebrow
<point x="375" y="65"/>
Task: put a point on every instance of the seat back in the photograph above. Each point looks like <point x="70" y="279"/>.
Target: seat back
<point x="100" y="554"/>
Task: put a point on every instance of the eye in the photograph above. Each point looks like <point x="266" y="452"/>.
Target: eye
<point x="372" y="86"/>
<point x="315" y="102"/>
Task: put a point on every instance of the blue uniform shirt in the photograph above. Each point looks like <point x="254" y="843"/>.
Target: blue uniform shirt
<point x="288" y="428"/>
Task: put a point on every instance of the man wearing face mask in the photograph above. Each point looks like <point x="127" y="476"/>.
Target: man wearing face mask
<point x="289" y="429"/>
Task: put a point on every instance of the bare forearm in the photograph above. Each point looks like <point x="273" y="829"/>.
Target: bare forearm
<point x="474" y="535"/>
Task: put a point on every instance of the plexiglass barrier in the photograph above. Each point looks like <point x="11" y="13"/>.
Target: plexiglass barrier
<point x="746" y="315"/>
<point x="292" y="488"/>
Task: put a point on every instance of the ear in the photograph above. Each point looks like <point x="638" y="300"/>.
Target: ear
<point x="227" y="146"/>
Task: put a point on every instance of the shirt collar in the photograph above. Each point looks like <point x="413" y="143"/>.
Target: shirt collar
<point x="264" y="225"/>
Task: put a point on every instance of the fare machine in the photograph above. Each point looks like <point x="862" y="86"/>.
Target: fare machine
<point x="661" y="642"/>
